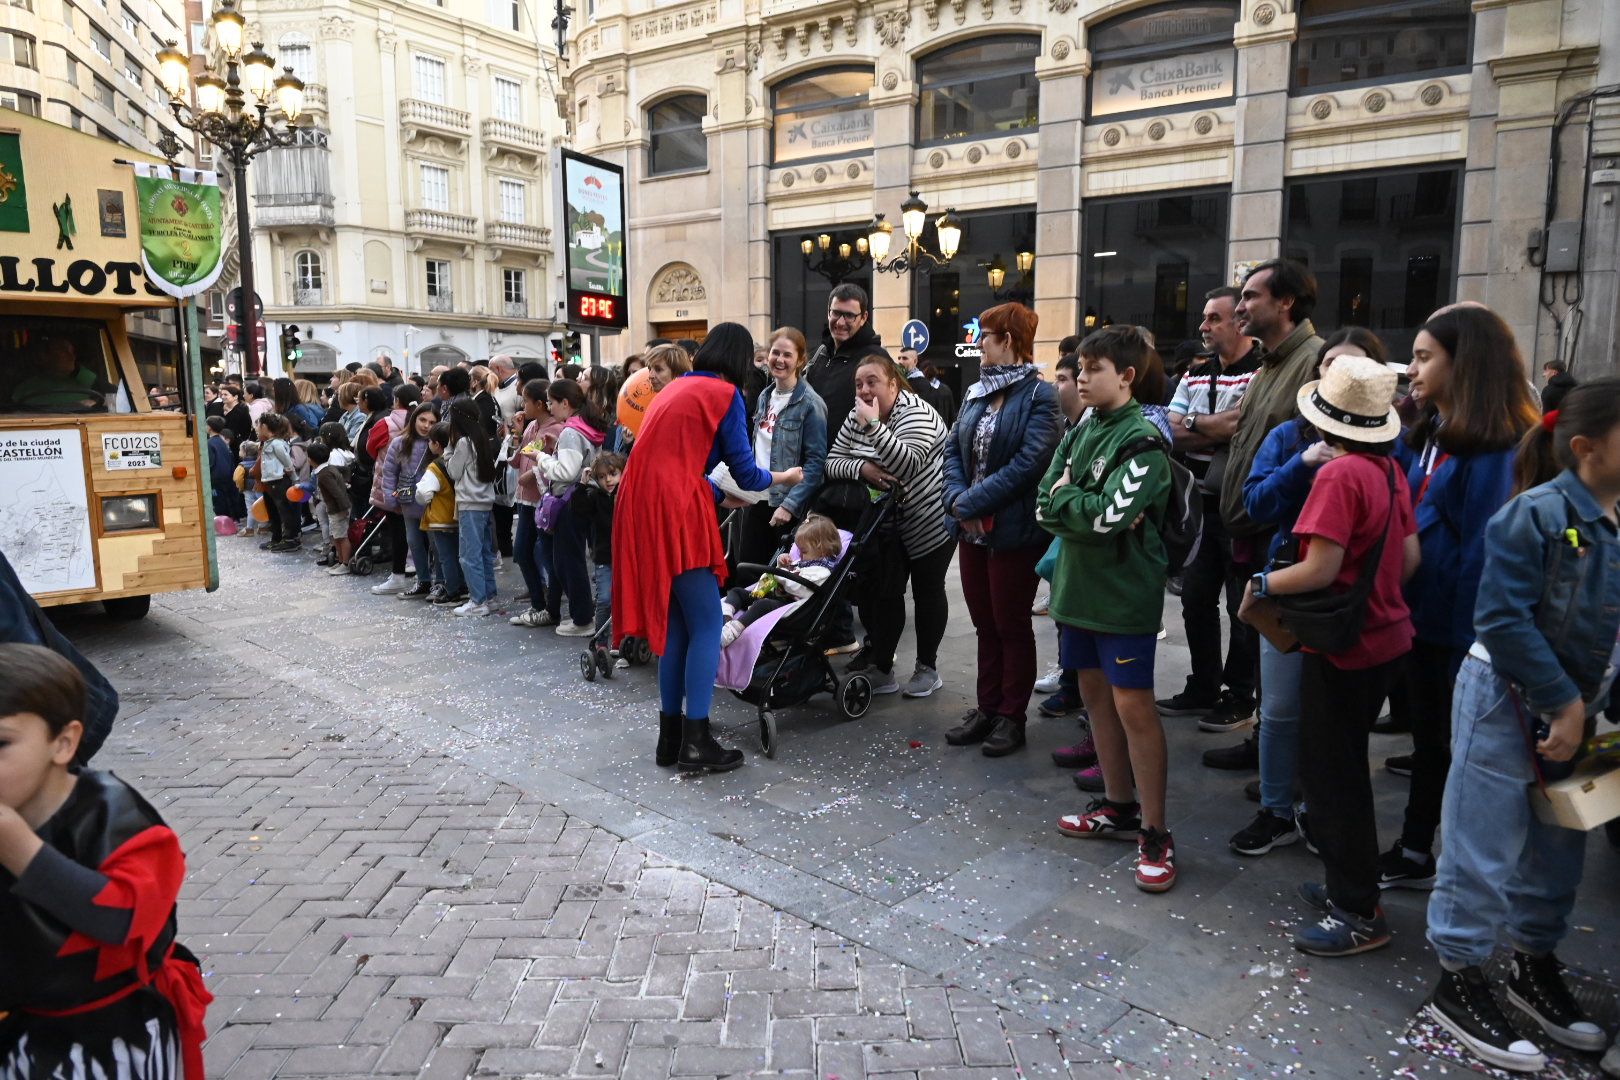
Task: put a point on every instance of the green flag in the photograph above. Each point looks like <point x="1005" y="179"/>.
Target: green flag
<point x="13" y="189"/>
<point x="180" y="225"/>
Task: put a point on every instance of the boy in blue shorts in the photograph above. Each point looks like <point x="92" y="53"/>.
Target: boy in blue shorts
<point x="1104" y="496"/>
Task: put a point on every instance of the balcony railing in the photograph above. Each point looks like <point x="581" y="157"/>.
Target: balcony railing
<point x="443" y="302"/>
<point x="516" y="309"/>
<point x="420" y="117"/>
<point x="441" y="223"/>
<point x="508" y="234"/>
<point x="506" y="135"/>
<point x="293" y="211"/>
<point x="307" y="297"/>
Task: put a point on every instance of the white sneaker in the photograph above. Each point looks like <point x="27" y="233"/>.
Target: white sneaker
<point x="574" y="629"/>
<point x="1051" y="682"/>
<point x="471" y="609"/>
<point x="730" y="632"/>
<point x="392" y="584"/>
<point x="339" y="569"/>
<point x="1043" y="603"/>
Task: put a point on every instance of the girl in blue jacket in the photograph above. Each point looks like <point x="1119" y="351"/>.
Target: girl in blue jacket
<point x="1477" y="405"/>
<point x="1548" y="617"/>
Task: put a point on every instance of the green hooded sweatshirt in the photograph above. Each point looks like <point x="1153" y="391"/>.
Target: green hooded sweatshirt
<point x="1110" y="577"/>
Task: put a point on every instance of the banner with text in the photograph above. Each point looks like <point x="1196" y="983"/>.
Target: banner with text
<point x="181" y="228"/>
<point x="1163" y="83"/>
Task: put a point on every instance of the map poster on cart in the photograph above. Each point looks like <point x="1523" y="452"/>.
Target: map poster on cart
<point x="44" y="510"/>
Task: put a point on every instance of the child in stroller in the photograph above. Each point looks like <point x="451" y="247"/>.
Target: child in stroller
<point x="819" y="546"/>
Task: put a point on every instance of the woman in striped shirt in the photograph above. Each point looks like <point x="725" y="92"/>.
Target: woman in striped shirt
<point x="893" y="436"/>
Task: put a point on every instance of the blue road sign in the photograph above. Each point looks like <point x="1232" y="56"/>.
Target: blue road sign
<point x="914" y="335"/>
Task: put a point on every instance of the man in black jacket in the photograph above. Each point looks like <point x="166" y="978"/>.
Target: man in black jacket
<point x="849" y="339"/>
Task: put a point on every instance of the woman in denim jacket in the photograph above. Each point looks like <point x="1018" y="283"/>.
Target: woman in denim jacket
<point x="1546" y="624"/>
<point x="790" y="430"/>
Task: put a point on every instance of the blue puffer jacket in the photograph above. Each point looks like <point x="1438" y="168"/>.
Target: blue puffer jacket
<point x="1027" y="432"/>
<point x="1463" y="492"/>
<point x="800" y="438"/>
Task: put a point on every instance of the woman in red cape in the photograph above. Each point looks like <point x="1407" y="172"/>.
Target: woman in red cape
<point x="668" y="561"/>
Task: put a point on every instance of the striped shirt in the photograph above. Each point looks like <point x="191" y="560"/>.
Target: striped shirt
<point x="1210" y="388"/>
<point x="910" y="446"/>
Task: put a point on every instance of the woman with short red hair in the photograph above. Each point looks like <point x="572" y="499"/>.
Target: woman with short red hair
<point x="1001" y="444"/>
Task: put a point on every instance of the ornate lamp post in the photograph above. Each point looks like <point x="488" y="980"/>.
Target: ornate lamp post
<point x="233" y="114"/>
<point x="913" y="218"/>
<point x="837" y="262"/>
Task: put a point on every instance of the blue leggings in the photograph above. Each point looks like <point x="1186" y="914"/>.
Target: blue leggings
<point x="691" y="657"/>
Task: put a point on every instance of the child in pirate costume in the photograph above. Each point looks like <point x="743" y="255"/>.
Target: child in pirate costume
<point x="92" y="982"/>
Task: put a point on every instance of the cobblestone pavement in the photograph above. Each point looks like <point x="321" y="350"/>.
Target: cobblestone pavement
<point x="422" y="846"/>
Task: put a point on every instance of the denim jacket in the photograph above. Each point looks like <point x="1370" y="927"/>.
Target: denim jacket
<point x="1027" y="432"/>
<point x="1548" y="610"/>
<point x="800" y="438"/>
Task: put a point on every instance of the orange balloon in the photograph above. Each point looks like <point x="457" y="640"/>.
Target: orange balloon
<point x="634" y="397"/>
<point x="297" y="493"/>
<point x="261" y="510"/>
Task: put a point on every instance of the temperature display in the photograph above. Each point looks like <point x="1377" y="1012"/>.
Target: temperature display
<point x="596" y="309"/>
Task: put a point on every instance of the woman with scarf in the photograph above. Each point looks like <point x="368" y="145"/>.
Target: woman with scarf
<point x="563" y="547"/>
<point x="1002" y="443"/>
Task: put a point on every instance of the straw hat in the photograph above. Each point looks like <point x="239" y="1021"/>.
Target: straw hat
<point x="1352" y="401"/>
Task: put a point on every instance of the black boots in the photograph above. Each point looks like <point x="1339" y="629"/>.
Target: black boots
<point x="1007" y="737"/>
<point x="975" y="726"/>
<point x="669" y="739"/>
<point x="699" y="751"/>
<point x="1464" y="1005"/>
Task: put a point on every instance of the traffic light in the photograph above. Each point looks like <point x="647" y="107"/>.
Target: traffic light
<point x="292" y="350"/>
<point x="575" y="349"/>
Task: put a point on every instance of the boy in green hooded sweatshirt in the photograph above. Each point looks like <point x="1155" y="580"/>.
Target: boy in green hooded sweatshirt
<point x="1104" y="496"/>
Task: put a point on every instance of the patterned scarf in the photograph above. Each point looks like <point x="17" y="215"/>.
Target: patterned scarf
<point x="994" y="378"/>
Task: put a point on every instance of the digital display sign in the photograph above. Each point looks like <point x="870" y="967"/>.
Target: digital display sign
<point x="594" y="240"/>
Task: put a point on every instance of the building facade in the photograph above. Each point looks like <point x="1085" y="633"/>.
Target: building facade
<point x="413" y="218"/>
<point x="1108" y="161"/>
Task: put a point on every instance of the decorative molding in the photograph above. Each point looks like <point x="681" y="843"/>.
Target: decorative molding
<point x="820" y="175"/>
<point x="1060" y="49"/>
<point x="891" y="26"/>
<point x="1375" y="101"/>
<point x="1157" y="129"/>
<point x="936" y="160"/>
<point x="1204" y="125"/>
<point x="675" y="22"/>
<point x="1322" y="108"/>
<point x="748" y="105"/>
<point x="891" y="79"/>
<point x="678" y="283"/>
<point x="1265" y="15"/>
<point x="854" y="170"/>
<point x="975" y="154"/>
<point x="1015" y="149"/>
<point x="1063" y="7"/>
<point x="1112" y="136"/>
<point x="336" y="27"/>
<point x="472" y="65"/>
<point x="1432" y="95"/>
<point x="387" y="40"/>
<point x="789" y="178"/>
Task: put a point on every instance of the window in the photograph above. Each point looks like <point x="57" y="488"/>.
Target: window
<point x="132" y="71"/>
<point x="1167" y="57"/>
<point x="1382" y="247"/>
<point x="22" y="50"/>
<point x="435" y="187"/>
<point x="26" y="5"/>
<point x="825" y="114"/>
<point x="216" y="307"/>
<point x="984" y="87"/>
<point x="429" y="78"/>
<point x="508" y="99"/>
<point x="32" y="344"/>
<point x="799" y="293"/>
<point x="71" y="70"/>
<point x="131" y="23"/>
<point x="1354" y="41"/>
<point x="199" y="38"/>
<point x="307" y="269"/>
<point x="512" y="200"/>
<point x="296" y="52"/>
<point x="506" y="14"/>
<point x="101" y="42"/>
<point x="515" y="292"/>
<point x="1149" y="261"/>
<point x="677" y="143"/>
<point x="103" y="94"/>
<point x="21" y="100"/>
<point x="67" y="15"/>
<point x="438" y="285"/>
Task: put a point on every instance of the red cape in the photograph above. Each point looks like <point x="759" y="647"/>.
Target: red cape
<point x="664" y="520"/>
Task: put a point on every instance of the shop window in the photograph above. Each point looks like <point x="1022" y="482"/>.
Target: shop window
<point x="799" y="291"/>
<point x="983" y="87"/>
<point x="676" y="140"/>
<point x="1343" y="42"/>
<point x="823" y="114"/>
<point x="1164" y="58"/>
<point x="1382" y="247"/>
<point x="1149" y="261"/>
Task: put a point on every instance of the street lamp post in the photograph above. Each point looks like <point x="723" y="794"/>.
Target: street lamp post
<point x="913" y="219"/>
<point x="241" y="128"/>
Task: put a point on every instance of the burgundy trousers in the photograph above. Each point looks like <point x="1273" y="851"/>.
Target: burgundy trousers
<point x="999" y="586"/>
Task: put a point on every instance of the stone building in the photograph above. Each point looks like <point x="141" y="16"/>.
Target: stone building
<point x="1108" y="161"/>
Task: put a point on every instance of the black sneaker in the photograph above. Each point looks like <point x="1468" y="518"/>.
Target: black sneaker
<point x="434" y="593"/>
<point x="451" y="599"/>
<point x="1244" y="756"/>
<point x="1400" y="765"/>
<point x="1536" y="986"/>
<point x="1396" y="871"/>
<point x="1184" y="704"/>
<point x="1388" y="724"/>
<point x="1464" y="1005"/>
<point x="264" y="545"/>
<point x="861" y="661"/>
<point x="1265" y="832"/>
<point x="420" y="591"/>
<point x="287" y="546"/>
<point x="1233" y="713"/>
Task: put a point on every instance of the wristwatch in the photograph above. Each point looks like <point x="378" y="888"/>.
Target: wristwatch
<point x="1190" y="421"/>
<point x="1259" y="583"/>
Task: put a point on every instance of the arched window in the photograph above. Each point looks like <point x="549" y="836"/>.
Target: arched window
<point x="308" y="279"/>
<point x="676" y="140"/>
<point x="826" y="113"/>
<point x="1343" y="42"/>
<point x="294" y="50"/>
<point x="982" y="87"/>
<point x="1167" y="57"/>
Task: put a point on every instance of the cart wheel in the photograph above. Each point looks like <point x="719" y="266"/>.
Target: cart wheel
<point x="127" y="608"/>
<point x="587" y="667"/>
<point x="361" y="565"/>
<point x="855" y="697"/>
<point x="602" y="657"/>
<point x="767" y="732"/>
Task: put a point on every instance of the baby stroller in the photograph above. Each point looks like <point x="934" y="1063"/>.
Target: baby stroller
<point x="792" y="666"/>
<point x="370" y="545"/>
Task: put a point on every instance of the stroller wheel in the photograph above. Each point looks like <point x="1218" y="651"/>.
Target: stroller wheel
<point x="855" y="697"/>
<point x="767" y="732"/>
<point x="602" y="657"/>
<point x="587" y="666"/>
<point x="640" y="651"/>
<point x="360" y="564"/>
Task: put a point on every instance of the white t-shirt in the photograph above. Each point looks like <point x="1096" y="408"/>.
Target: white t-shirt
<point x="767" y="427"/>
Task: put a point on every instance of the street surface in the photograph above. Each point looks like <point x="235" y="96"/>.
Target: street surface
<point x="421" y="845"/>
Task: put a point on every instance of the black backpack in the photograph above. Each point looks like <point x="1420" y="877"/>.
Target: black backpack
<point x="1183" y="526"/>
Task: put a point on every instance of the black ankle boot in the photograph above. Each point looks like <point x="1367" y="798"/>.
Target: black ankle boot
<point x="669" y="739"/>
<point x="1007" y="737"/>
<point x="974" y="728"/>
<point x="699" y="751"/>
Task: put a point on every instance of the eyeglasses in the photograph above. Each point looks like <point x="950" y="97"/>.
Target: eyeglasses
<point x="843" y="316"/>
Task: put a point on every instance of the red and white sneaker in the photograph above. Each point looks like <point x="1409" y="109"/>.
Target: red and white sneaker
<point x="1155" y="861"/>
<point x="1102" y="818"/>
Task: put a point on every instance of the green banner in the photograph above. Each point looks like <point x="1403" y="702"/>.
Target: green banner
<point x="13" y="188"/>
<point x="181" y="225"/>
